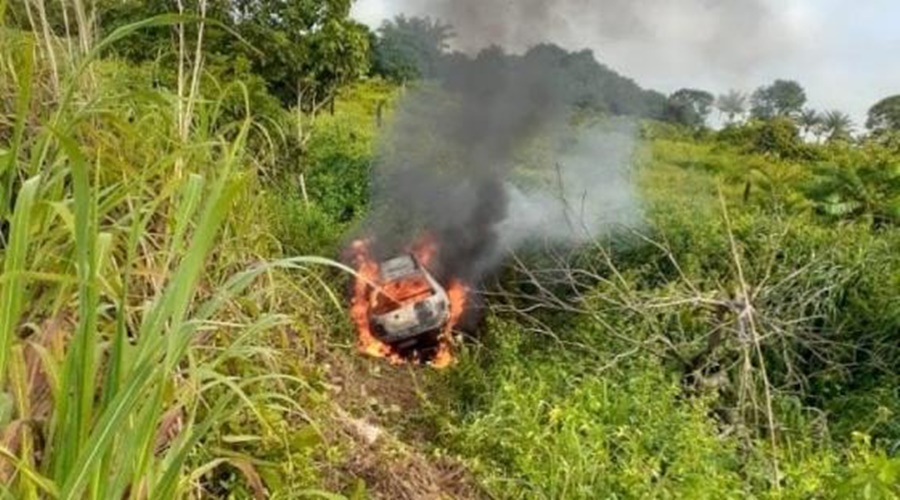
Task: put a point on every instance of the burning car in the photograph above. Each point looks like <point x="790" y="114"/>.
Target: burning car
<point x="409" y="304"/>
<point x="401" y="311"/>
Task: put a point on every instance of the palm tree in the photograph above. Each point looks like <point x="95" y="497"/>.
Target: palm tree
<point x="837" y="126"/>
<point x="733" y="104"/>
<point x="809" y="120"/>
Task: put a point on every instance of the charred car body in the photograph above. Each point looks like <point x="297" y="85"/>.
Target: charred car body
<point x="410" y="308"/>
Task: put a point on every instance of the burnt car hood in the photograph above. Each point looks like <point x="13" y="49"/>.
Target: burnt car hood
<point x="424" y="315"/>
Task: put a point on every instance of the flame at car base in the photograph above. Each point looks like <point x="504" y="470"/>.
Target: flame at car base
<point x="369" y="294"/>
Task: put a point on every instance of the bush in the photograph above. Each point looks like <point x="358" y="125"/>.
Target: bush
<point x="777" y="137"/>
<point x="565" y="417"/>
<point x="303" y="228"/>
<point x="858" y="184"/>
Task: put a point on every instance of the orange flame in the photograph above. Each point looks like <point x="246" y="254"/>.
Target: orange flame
<point x="367" y="270"/>
<point x="425" y="248"/>
<point x="457" y="293"/>
<point x="369" y="295"/>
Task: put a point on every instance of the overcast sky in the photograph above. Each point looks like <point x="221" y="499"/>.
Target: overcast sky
<point x="845" y="53"/>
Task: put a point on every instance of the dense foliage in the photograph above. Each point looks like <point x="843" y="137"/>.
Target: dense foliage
<point x="691" y="107"/>
<point x="304" y="51"/>
<point x="410" y="48"/>
<point x="884" y="116"/>
<point x="781" y="98"/>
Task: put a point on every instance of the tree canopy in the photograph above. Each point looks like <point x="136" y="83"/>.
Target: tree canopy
<point x="837" y="126"/>
<point x="689" y="107"/>
<point x="301" y="48"/>
<point x="732" y="104"/>
<point x="407" y="48"/>
<point x="809" y="120"/>
<point x="781" y="98"/>
<point x="885" y="115"/>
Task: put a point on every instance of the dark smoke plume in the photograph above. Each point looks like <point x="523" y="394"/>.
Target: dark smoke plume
<point x="729" y="34"/>
<point x="486" y="158"/>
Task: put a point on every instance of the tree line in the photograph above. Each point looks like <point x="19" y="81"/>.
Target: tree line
<point x="415" y="48"/>
<point x="782" y="99"/>
<point x="304" y="51"/>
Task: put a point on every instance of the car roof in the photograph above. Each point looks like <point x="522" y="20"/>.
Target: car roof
<point x="398" y="267"/>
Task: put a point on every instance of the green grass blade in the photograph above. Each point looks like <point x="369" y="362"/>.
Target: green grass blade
<point x="30" y="474"/>
<point x="12" y="290"/>
<point x="174" y="303"/>
<point x="140" y="445"/>
<point x="76" y="409"/>
<point x="190" y="201"/>
<point x="112" y="420"/>
<point x="23" y="101"/>
<point x="167" y="316"/>
<point x="167" y="485"/>
<point x="117" y="367"/>
<point x="18" y="381"/>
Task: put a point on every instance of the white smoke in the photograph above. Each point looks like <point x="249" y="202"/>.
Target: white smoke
<point x="588" y="192"/>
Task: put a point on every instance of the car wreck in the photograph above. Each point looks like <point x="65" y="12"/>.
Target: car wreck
<point x="410" y="308"/>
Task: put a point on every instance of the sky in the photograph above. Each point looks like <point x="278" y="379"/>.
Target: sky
<point x="843" y="52"/>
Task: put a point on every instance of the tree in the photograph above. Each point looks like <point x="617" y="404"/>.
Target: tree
<point x="837" y="126"/>
<point x="780" y="137"/>
<point x="306" y="49"/>
<point x="552" y="76"/>
<point x="410" y="48"/>
<point x="732" y="105"/>
<point x="652" y="104"/>
<point x="689" y="107"/>
<point x="809" y="120"/>
<point x="303" y="49"/>
<point x="884" y="116"/>
<point x="582" y="83"/>
<point x="781" y="98"/>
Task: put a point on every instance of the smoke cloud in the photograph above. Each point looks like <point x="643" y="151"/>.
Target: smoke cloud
<point x="726" y="35"/>
<point x="590" y="192"/>
<point x="489" y="160"/>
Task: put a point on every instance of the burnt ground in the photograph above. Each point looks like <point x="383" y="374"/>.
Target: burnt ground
<point x="373" y="404"/>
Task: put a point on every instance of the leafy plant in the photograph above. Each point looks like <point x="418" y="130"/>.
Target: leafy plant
<point x="859" y="186"/>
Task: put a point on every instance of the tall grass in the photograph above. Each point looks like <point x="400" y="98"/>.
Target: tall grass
<point x="114" y="286"/>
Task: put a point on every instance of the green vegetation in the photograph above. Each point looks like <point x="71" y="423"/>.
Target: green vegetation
<point x="163" y="336"/>
<point x="781" y="98"/>
<point x="691" y="107"/>
<point x="409" y="48"/>
<point x="693" y="366"/>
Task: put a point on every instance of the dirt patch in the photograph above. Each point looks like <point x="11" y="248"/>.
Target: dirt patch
<point x="374" y="404"/>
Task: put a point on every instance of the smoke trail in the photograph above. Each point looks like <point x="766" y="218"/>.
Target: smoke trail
<point x="589" y="193"/>
<point x="488" y="161"/>
<point x="726" y="34"/>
